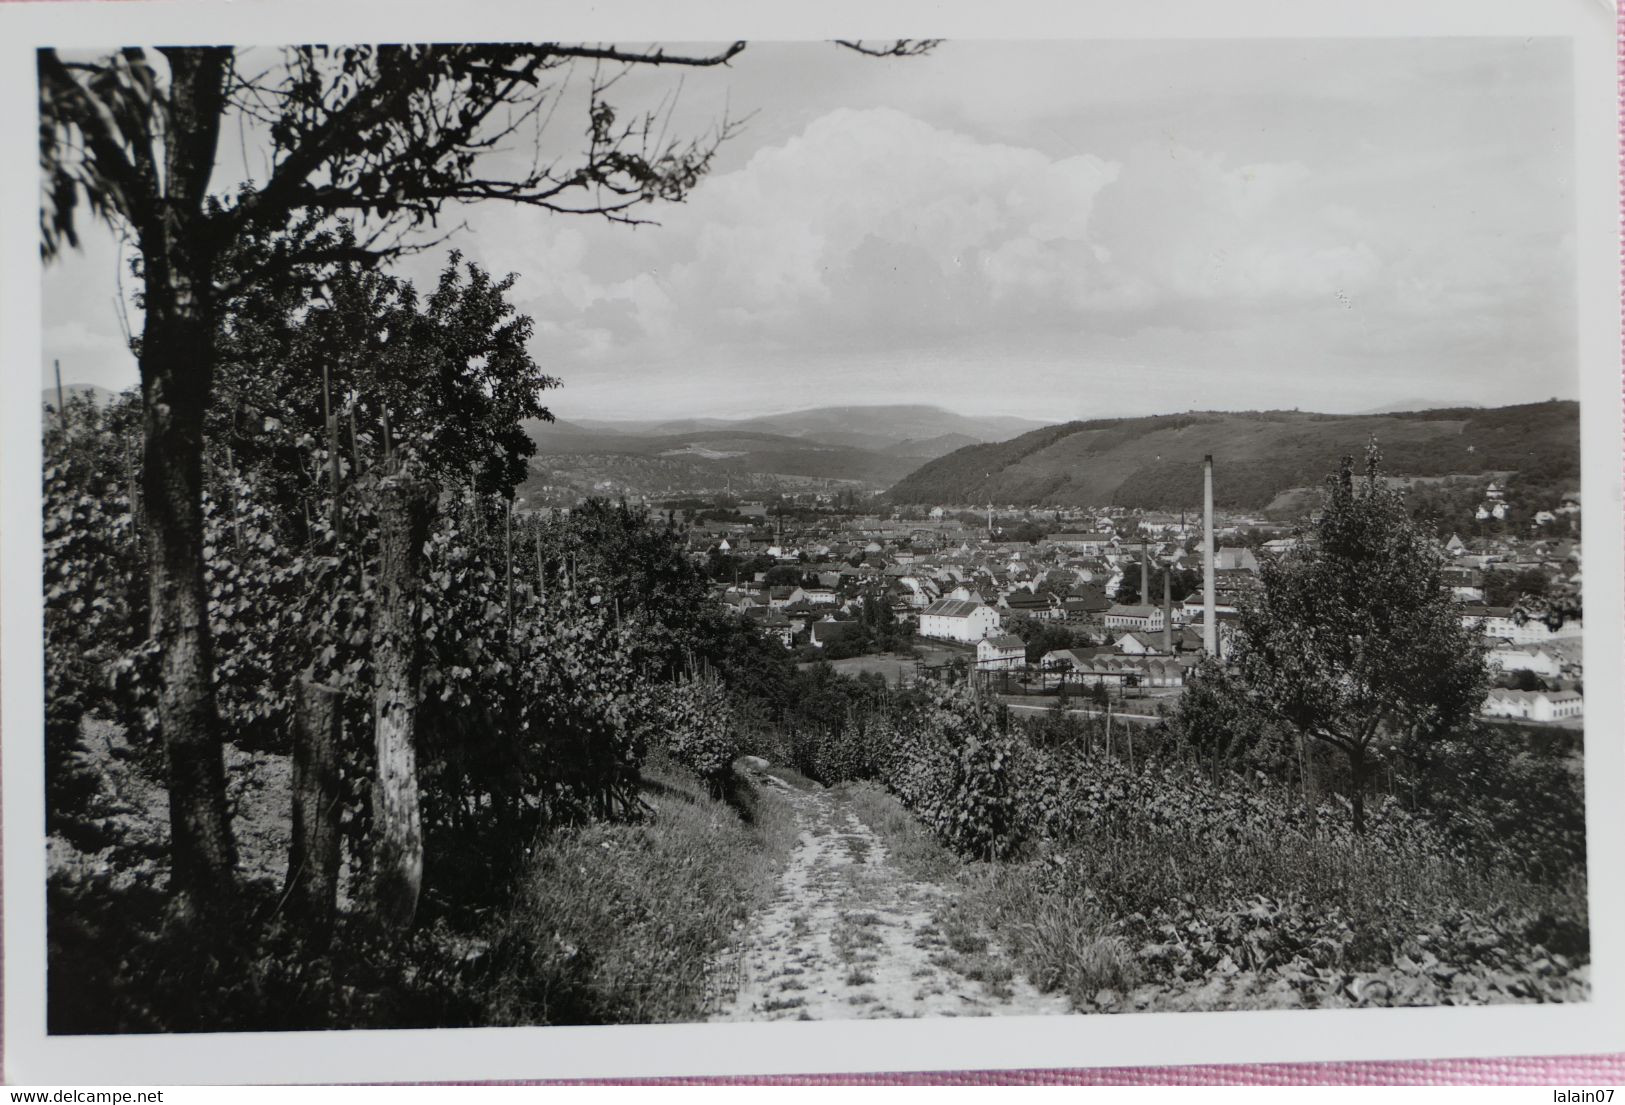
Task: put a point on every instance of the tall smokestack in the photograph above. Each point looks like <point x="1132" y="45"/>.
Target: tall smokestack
<point x="1210" y="628"/>
<point x="1145" y="577"/>
<point x="1167" y="612"/>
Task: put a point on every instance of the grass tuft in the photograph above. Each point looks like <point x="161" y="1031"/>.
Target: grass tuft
<point x="909" y="844"/>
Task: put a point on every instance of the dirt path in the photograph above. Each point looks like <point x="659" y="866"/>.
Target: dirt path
<point x="850" y="936"/>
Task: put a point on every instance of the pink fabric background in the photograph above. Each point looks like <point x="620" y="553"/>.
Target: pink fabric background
<point x="1574" y="1070"/>
<point x="1583" y="1071"/>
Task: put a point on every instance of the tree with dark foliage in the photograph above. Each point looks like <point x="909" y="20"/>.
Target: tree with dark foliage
<point x="1181" y="582"/>
<point x="1353" y="640"/>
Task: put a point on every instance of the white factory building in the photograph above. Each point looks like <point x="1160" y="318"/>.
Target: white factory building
<point x="959" y="620"/>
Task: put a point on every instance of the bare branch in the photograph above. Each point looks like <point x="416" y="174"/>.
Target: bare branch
<point x="656" y="56"/>
<point x="371" y="105"/>
<point x="900" y="48"/>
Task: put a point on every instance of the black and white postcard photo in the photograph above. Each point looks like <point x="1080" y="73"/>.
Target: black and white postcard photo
<point x="583" y="542"/>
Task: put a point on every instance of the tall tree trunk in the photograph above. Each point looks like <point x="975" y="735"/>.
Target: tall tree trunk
<point x="1357" y="775"/>
<point x="313" y="855"/>
<point x="403" y="525"/>
<point x="177" y="360"/>
<point x="177" y="369"/>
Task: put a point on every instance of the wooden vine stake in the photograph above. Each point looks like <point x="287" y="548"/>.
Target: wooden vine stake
<point x="405" y="509"/>
<point x="312" y="886"/>
<point x="507" y="548"/>
<point x="541" y="568"/>
<point x="135" y="485"/>
<point x="330" y="420"/>
<point x="231" y="499"/>
<point x="310" y="892"/>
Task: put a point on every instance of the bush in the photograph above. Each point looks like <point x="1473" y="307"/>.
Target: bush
<point x="1503" y="799"/>
<point x="700" y="733"/>
<point x="952" y="766"/>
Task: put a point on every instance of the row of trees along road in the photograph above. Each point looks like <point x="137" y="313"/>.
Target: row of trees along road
<point x="385" y="136"/>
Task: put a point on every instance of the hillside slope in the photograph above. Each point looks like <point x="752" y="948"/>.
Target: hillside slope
<point x="1155" y="462"/>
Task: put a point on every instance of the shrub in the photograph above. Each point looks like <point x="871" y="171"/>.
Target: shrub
<point x="1503" y="800"/>
<point x="697" y="717"/>
<point x="957" y="771"/>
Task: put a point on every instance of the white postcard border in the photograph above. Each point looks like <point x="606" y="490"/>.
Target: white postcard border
<point x="639" y="1051"/>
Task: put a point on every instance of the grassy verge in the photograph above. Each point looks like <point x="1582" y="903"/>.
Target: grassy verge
<point x="1061" y="943"/>
<point x="1154" y="921"/>
<point x="911" y="846"/>
<point x="1143" y="915"/>
<point x="628" y="923"/>
<point x="958" y="937"/>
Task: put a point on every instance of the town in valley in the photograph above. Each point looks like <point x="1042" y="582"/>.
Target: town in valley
<point x="1107" y="605"/>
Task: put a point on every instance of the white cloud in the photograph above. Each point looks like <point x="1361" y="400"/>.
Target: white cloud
<point x="1063" y="214"/>
<point x="1182" y="225"/>
<point x="874" y="229"/>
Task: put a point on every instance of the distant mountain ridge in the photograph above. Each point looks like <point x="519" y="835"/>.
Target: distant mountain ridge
<point x="876" y="426"/>
<point x="869" y="447"/>
<point x="1155" y="462"/>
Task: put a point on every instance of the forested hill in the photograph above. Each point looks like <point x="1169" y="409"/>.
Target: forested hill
<point x="1155" y="463"/>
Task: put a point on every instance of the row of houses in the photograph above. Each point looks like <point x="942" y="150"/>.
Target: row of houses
<point x="1115" y="669"/>
<point x="1546" y="663"/>
<point x="1502" y="623"/>
<point x="1533" y="705"/>
<point x="967" y="588"/>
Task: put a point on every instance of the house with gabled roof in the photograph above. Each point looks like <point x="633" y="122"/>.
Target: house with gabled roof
<point x="1533" y="705"/>
<point x="1042" y="605"/>
<point x="774" y="623"/>
<point x="1001" y="653"/>
<point x="1071" y="657"/>
<point x="959" y="620"/>
<point x="813" y="596"/>
<point x="1235" y="557"/>
<point x="1091" y="666"/>
<point x="1542" y="662"/>
<point x="1140" y="643"/>
<point x="1192" y="606"/>
<point x="1147" y="618"/>
<point x="1093" y="542"/>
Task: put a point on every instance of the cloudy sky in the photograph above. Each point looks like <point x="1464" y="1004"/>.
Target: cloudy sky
<point x="1054" y="230"/>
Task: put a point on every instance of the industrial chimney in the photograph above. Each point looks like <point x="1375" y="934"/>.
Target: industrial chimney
<point x="1145" y="578"/>
<point x="1167" y="613"/>
<point x="1210" y="628"/>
